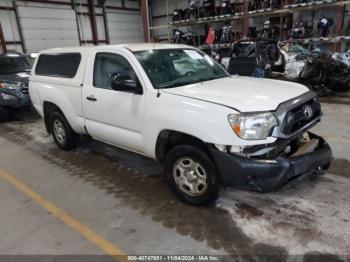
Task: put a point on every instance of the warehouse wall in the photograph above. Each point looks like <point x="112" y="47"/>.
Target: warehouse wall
<point x="85" y="24"/>
<point x="55" y="25"/>
<point x="9" y="26"/>
<point x="46" y="27"/>
<point x="124" y="26"/>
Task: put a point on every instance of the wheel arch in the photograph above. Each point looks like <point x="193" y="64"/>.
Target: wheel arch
<point x="168" y="139"/>
<point x="49" y="108"/>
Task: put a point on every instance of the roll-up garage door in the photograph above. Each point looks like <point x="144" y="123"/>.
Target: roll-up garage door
<point x="48" y="27"/>
<point x="125" y="27"/>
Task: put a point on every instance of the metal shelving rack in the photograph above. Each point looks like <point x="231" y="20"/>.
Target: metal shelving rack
<point x="284" y="10"/>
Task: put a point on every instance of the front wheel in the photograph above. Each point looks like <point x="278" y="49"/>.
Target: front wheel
<point x="192" y="175"/>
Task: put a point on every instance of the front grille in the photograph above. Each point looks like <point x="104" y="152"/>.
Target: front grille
<point x="24" y="90"/>
<point x="296" y="119"/>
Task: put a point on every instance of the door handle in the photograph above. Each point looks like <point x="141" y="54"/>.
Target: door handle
<point x="91" y="98"/>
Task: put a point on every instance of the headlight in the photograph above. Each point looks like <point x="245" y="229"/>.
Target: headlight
<point x="253" y="126"/>
<point x="6" y="96"/>
<point x="11" y="86"/>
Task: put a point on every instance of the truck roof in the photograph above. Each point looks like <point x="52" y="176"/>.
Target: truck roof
<point x="133" y="47"/>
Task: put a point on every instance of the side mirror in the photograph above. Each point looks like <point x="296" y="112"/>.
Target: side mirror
<point x="125" y="84"/>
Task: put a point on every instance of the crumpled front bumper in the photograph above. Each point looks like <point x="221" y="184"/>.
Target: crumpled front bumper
<point x="269" y="175"/>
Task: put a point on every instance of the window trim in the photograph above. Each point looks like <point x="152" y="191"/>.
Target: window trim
<point x="57" y="54"/>
<point x="118" y="54"/>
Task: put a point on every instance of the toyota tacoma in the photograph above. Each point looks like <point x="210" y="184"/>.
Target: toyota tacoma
<point x="175" y="104"/>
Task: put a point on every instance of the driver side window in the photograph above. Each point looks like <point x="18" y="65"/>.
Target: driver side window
<point x="108" y="66"/>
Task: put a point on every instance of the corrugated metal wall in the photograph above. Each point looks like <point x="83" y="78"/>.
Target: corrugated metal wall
<point x="9" y="26"/>
<point x="45" y="27"/>
<point x="55" y="25"/>
<point x="124" y="27"/>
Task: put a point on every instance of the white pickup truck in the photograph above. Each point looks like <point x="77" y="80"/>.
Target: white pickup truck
<point x="173" y="103"/>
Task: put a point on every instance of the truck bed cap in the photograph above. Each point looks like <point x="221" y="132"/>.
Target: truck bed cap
<point x="132" y="46"/>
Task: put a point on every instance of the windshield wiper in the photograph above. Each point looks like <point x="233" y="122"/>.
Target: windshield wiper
<point x="212" y="78"/>
<point x="191" y="82"/>
<point x="177" y="84"/>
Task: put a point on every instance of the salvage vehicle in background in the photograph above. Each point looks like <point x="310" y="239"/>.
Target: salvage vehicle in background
<point x="207" y="127"/>
<point x="295" y="56"/>
<point x="319" y="70"/>
<point x="257" y="58"/>
<point x="14" y="76"/>
<point x="343" y="57"/>
<point x="323" y="73"/>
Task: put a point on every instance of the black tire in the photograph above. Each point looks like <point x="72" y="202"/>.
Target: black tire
<point x="70" y="137"/>
<point x="210" y="191"/>
<point x="4" y="114"/>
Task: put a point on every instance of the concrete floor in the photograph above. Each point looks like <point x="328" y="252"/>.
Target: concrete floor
<point x="123" y="198"/>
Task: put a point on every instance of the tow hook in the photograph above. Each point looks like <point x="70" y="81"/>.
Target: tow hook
<point x="253" y="184"/>
<point x="320" y="170"/>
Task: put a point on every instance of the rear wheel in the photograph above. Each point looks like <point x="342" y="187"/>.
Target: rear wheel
<point x="192" y="175"/>
<point x="62" y="133"/>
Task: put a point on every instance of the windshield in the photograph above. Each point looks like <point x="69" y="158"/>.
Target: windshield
<point x="177" y="67"/>
<point x="15" y="64"/>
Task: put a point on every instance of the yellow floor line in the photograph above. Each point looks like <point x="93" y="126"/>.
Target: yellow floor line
<point x="83" y="230"/>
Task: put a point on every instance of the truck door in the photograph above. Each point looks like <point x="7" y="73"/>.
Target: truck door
<point x="112" y="116"/>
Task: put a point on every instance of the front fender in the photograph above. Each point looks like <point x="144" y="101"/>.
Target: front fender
<point x="204" y="120"/>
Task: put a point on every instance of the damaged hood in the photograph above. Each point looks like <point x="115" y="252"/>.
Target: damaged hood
<point x="246" y="94"/>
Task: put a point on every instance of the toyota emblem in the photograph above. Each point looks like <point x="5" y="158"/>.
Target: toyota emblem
<point x="308" y="112"/>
